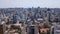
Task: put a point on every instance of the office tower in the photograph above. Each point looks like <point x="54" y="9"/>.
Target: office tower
<point x="2" y="27"/>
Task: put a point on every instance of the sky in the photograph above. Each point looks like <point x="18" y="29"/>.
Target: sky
<point x="29" y="3"/>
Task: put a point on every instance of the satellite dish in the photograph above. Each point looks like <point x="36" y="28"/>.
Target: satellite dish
<point x="39" y="19"/>
<point x="29" y="20"/>
<point x="3" y="22"/>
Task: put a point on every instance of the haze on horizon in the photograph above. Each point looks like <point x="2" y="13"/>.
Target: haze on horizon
<point x="29" y="3"/>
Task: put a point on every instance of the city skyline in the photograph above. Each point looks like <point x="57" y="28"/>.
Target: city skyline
<point x="29" y="3"/>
